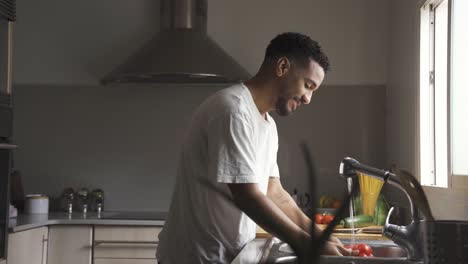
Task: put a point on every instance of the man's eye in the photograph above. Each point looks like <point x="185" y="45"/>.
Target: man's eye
<point x="306" y="86"/>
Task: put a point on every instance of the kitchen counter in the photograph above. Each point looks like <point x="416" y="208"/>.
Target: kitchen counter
<point x="28" y="221"/>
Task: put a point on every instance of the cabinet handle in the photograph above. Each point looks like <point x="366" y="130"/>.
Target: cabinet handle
<point x="44" y="254"/>
<point x="117" y="242"/>
<point x="7" y="146"/>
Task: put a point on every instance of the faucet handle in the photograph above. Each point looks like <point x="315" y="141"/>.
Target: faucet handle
<point x="390" y="229"/>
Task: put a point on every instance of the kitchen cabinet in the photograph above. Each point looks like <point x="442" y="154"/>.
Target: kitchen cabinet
<point x="29" y="246"/>
<point x="125" y="244"/>
<point x="70" y="244"/>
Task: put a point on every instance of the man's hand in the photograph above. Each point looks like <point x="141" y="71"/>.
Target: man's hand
<point x="335" y="240"/>
<point x="319" y="231"/>
<point x="338" y="250"/>
<point x="305" y="253"/>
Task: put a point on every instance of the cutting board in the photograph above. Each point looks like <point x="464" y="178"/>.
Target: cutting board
<point x="262" y="233"/>
<point x="368" y="232"/>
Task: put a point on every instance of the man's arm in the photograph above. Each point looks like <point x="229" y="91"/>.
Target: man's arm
<point x="270" y="217"/>
<point x="286" y="203"/>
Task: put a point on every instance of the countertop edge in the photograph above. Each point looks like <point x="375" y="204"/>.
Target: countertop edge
<point x="29" y="222"/>
<point x="89" y="222"/>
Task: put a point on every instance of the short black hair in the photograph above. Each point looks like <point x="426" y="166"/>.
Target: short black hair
<point x="297" y="47"/>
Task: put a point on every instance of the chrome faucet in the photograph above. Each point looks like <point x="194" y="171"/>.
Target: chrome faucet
<point x="410" y="237"/>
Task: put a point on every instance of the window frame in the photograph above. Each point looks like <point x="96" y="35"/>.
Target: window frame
<point x="453" y="181"/>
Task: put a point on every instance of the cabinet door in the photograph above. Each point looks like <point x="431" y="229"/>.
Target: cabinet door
<point x="28" y="246"/>
<point x="70" y="244"/>
<point x="124" y="261"/>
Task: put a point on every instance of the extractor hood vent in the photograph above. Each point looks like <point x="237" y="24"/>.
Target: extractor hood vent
<point x="180" y="53"/>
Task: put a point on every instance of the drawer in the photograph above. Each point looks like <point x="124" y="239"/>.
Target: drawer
<point x="126" y="242"/>
<point x="126" y="233"/>
<point x="125" y="249"/>
<point x="124" y="261"/>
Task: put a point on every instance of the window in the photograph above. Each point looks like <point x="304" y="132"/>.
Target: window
<point x="459" y="105"/>
<point x="443" y="101"/>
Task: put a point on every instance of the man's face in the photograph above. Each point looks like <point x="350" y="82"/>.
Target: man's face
<point x="297" y="86"/>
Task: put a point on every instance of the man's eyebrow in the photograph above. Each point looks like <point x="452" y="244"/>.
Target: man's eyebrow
<point x="311" y="81"/>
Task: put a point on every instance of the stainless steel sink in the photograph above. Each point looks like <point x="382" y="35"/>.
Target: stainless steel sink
<point x="383" y="253"/>
<point x="389" y="252"/>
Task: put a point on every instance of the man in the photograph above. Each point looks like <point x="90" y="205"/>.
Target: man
<point x="228" y="173"/>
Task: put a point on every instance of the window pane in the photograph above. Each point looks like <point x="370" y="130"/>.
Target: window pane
<point x="440" y="94"/>
<point x="460" y="88"/>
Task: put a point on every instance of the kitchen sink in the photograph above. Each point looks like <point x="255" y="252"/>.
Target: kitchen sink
<point x="384" y="252"/>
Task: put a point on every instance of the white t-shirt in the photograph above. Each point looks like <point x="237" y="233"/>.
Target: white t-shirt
<point x="228" y="142"/>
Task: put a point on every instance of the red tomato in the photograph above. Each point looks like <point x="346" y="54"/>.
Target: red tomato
<point x="362" y="254"/>
<point x="363" y="248"/>
<point x="318" y="218"/>
<point x="327" y="219"/>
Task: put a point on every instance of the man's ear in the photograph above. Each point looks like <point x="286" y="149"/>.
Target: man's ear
<point x="282" y="66"/>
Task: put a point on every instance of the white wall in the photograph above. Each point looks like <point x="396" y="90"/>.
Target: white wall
<point x="126" y="140"/>
<point x="77" y="42"/>
<point x="73" y="132"/>
<point x="403" y="75"/>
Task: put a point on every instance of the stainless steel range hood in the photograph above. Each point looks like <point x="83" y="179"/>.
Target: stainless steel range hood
<point x="181" y="52"/>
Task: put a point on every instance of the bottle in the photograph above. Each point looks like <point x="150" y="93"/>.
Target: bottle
<point x="82" y="197"/>
<point x="67" y="200"/>
<point x="97" y="200"/>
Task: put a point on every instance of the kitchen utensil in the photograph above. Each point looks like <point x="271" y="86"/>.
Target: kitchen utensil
<point x="318" y="243"/>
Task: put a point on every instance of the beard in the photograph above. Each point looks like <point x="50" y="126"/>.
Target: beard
<point x="282" y="106"/>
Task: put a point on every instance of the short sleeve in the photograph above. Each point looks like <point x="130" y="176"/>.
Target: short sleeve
<point x="274" y="169"/>
<point x="274" y="172"/>
<point x="231" y="148"/>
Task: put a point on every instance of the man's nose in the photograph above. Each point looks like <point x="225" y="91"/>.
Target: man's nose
<point x="307" y="97"/>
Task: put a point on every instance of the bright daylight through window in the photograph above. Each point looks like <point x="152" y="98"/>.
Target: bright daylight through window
<point x="443" y="141"/>
<point x="460" y="88"/>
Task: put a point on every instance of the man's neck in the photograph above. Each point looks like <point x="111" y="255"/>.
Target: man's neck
<point x="263" y="94"/>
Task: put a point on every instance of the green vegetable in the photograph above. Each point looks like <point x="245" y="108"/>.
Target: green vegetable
<point x="380" y="211"/>
<point x="359" y="221"/>
<point x="357" y="205"/>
